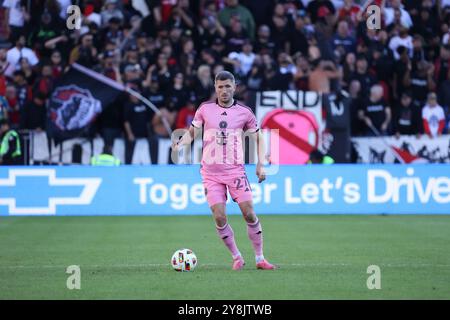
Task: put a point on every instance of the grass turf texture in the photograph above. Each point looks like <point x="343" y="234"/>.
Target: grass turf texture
<point x="320" y="257"/>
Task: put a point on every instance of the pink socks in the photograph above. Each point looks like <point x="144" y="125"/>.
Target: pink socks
<point x="227" y="235"/>
<point x="254" y="232"/>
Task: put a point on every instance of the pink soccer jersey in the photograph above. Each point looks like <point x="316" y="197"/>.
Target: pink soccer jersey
<point x="223" y="129"/>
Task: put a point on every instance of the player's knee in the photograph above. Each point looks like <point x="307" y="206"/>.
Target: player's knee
<point x="221" y="220"/>
<point x="250" y="217"/>
<point x="219" y="216"/>
<point x="249" y="214"/>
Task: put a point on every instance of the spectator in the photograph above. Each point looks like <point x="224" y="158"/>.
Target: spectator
<point x="404" y="40"/>
<point x="111" y="10"/>
<point x="204" y="87"/>
<point x="44" y="83"/>
<point x="401" y="68"/>
<point x="186" y="114"/>
<point x="301" y="77"/>
<point x="23" y="90"/>
<point x="112" y="32"/>
<point x="255" y="79"/>
<point x="343" y="43"/>
<point x="45" y="31"/>
<point x="322" y="10"/>
<point x="427" y="22"/>
<point x="207" y="57"/>
<point x="420" y="81"/>
<point x="13" y="106"/>
<point x="17" y="18"/>
<point x="242" y="61"/>
<point x="433" y="117"/>
<point x="236" y="35"/>
<point x="34" y="115"/>
<point x="298" y="41"/>
<point x="407" y="116"/>
<point x="322" y="72"/>
<point x="161" y="73"/>
<point x="155" y="95"/>
<point x="363" y="76"/>
<point x="264" y="43"/>
<point x="280" y="26"/>
<point x="349" y="68"/>
<point x="209" y="30"/>
<point x="405" y="18"/>
<point x="375" y="112"/>
<point x="29" y="72"/>
<point x="442" y="65"/>
<point x="57" y="64"/>
<point x="85" y="53"/>
<point x="349" y="12"/>
<point x="181" y="16"/>
<point x="187" y="52"/>
<point x="418" y="53"/>
<point x="284" y="75"/>
<point x="109" y="66"/>
<point x="19" y="51"/>
<point x="137" y="120"/>
<point x="178" y="95"/>
<point x="233" y="8"/>
<point x="10" y="146"/>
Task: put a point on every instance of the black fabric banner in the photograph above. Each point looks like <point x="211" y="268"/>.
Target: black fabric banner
<point x="77" y="99"/>
<point x="337" y="108"/>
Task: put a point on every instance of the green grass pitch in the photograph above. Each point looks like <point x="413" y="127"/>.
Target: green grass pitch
<point x="320" y="257"/>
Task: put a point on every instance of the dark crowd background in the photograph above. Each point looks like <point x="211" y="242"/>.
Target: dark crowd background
<point x="169" y="51"/>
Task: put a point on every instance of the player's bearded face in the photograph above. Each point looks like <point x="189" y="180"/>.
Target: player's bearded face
<point x="225" y="90"/>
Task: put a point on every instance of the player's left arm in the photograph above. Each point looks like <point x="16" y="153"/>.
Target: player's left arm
<point x="260" y="145"/>
<point x="252" y="127"/>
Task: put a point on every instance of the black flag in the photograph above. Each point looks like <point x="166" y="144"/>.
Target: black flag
<point x="76" y="101"/>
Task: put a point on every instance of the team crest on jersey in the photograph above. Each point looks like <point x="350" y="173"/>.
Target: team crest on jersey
<point x="223" y="124"/>
<point x="73" y="107"/>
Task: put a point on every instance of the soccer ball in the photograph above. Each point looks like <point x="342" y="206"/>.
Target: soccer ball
<point x="184" y="260"/>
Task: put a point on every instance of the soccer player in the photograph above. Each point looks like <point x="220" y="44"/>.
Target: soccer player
<point x="222" y="167"/>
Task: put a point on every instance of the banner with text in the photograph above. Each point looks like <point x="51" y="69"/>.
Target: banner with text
<point x="304" y="121"/>
<point x="177" y="190"/>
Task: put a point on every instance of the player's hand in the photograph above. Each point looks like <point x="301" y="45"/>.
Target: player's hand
<point x="175" y="146"/>
<point x="260" y="172"/>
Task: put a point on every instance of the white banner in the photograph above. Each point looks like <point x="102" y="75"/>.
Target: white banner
<point x="406" y="149"/>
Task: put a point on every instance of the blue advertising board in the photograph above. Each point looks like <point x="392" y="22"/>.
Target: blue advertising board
<point x="178" y="190"/>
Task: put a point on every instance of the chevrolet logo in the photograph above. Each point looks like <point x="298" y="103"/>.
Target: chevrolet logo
<point x="90" y="187"/>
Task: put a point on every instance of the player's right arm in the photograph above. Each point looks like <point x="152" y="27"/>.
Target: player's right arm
<point x="185" y="139"/>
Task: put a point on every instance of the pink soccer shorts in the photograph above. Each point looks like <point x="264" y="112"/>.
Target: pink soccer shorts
<point x="216" y="188"/>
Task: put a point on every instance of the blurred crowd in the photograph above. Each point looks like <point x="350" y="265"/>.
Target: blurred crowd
<point x="169" y="50"/>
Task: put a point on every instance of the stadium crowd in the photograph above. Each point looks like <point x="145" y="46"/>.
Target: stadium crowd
<point x="169" y="50"/>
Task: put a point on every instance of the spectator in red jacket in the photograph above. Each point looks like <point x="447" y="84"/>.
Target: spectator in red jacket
<point x="186" y="114"/>
<point x="433" y="117"/>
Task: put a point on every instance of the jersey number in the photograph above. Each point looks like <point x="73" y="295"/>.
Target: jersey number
<point x="238" y="183"/>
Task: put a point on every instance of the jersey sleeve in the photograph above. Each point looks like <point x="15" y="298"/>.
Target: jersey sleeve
<point x="198" y="120"/>
<point x="251" y="124"/>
